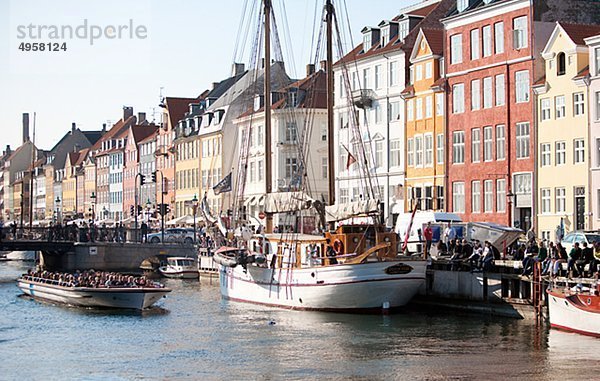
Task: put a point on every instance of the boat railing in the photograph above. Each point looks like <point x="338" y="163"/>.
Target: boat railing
<point x="47" y="281"/>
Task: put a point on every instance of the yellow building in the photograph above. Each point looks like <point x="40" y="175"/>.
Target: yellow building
<point x="187" y="173"/>
<point x="424" y="110"/>
<point x="562" y="134"/>
<point x="69" y="187"/>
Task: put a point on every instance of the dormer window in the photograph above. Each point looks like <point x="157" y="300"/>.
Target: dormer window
<point x="403" y="29"/>
<point x="292" y="100"/>
<point x="561" y="66"/>
<point x="385" y="36"/>
<point x="461" y="5"/>
<point x="367" y="41"/>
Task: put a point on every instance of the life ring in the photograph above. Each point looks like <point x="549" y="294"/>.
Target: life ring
<point x="338" y="246"/>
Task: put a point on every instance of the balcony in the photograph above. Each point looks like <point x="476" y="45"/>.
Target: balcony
<point x="162" y="151"/>
<point x="363" y="98"/>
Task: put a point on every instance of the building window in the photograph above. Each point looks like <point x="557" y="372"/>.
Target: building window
<point x="475" y="94"/>
<point x="488" y="143"/>
<point x="410" y="152"/>
<point x="500" y="91"/>
<point x="428" y="197"/>
<point x="559" y="102"/>
<point x="561" y="64"/>
<point x="393" y="75"/>
<point x="475" y="145"/>
<point x="377" y="76"/>
<point x="458" y="197"/>
<point x="461" y="5"/>
<point x="458" y="98"/>
<point x="578" y="104"/>
<point x="597" y="105"/>
<point x="379" y="153"/>
<point x="522" y="140"/>
<point x="428" y="107"/>
<point x="439" y="104"/>
<point x="419" y="108"/>
<point x="458" y="147"/>
<point x="561" y="199"/>
<point x="410" y="112"/>
<point x="419" y="72"/>
<point x="475" y="197"/>
<point x="561" y="153"/>
<point x="545" y="200"/>
<point x="520" y="32"/>
<point x="545" y="109"/>
<point x="475" y="44"/>
<point x="545" y="157"/>
<point x="456" y="49"/>
<point x="439" y="194"/>
<point x="291" y="167"/>
<point x="378" y="113"/>
<point x="487" y="92"/>
<point x="418" y="151"/>
<point x="440" y="148"/>
<point x="394" y="111"/>
<point x="367" y="41"/>
<point x="343" y="196"/>
<point x="487" y="41"/>
<point x="488" y="199"/>
<point x="499" y="37"/>
<point x="428" y="70"/>
<point x="291" y="133"/>
<point x="395" y="153"/>
<point x="579" y="151"/>
<point x="597" y="71"/>
<point x="522" y="86"/>
<point x="500" y="142"/>
<point x="428" y="150"/>
<point x="500" y="195"/>
<point x="366" y="78"/>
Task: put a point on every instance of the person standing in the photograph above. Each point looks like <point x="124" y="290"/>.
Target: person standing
<point x="428" y="234"/>
<point x="144" y="232"/>
<point x="449" y="234"/>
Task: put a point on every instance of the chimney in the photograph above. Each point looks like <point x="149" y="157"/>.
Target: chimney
<point x="127" y="112"/>
<point x="310" y="69"/>
<point x="141" y="117"/>
<point x="25" y="127"/>
<point x="73" y="127"/>
<point x="323" y="65"/>
<point x="103" y="128"/>
<point x="238" y="68"/>
<point x="8" y="150"/>
<point x="215" y="84"/>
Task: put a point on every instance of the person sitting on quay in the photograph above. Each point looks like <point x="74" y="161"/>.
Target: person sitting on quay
<point x="530" y="253"/>
<point x="561" y="257"/>
<point x="475" y="257"/>
<point x="550" y="257"/>
<point x="574" y="256"/>
<point x="587" y="255"/>
<point x="487" y="260"/>
<point x="465" y="252"/>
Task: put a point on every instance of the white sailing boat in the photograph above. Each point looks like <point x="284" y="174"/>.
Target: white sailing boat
<point x="353" y="268"/>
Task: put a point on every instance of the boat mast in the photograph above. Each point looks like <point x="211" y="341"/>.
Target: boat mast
<point x="31" y="172"/>
<point x="267" y="95"/>
<point x="330" y="131"/>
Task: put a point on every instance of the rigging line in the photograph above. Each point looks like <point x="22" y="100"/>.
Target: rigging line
<point x="239" y="32"/>
<point x="287" y="35"/>
<point x="313" y="46"/>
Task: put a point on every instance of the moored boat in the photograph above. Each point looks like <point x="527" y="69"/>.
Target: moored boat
<point x="575" y="311"/>
<point x="106" y="297"/>
<point x="179" y="267"/>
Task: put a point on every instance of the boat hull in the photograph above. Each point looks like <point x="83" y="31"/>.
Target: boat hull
<point x="340" y="288"/>
<point x="178" y="273"/>
<point x="129" y="298"/>
<point x="576" y="313"/>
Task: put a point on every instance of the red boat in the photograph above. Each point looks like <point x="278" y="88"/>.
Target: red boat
<point x="575" y="311"/>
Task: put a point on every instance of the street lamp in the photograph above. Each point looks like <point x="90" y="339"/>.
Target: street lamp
<point x="148" y="205"/>
<point x="509" y="199"/>
<point x="194" y="208"/>
<point x="57" y="209"/>
<point x="93" y="197"/>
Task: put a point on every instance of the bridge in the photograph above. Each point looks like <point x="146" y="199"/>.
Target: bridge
<point x="49" y="247"/>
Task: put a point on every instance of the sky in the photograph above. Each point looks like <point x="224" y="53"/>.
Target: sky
<point x="129" y="52"/>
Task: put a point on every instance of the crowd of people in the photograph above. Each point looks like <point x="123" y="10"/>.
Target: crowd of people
<point x="582" y="260"/>
<point x="475" y="255"/>
<point x="91" y="278"/>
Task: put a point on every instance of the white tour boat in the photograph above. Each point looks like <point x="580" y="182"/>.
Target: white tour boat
<point x="575" y="311"/>
<point x="179" y="267"/>
<point x="107" y="297"/>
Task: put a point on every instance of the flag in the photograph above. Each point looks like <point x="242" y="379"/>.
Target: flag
<point x="351" y="159"/>
<point x="224" y="185"/>
<point x="410" y="223"/>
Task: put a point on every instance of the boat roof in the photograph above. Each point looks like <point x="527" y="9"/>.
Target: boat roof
<point x="178" y="258"/>
<point x="290" y="237"/>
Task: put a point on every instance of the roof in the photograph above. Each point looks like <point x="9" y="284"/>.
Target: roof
<point x="539" y="82"/>
<point x="151" y="137"/>
<point x="73" y="157"/>
<point x="583" y="73"/>
<point x="395" y="43"/>
<point x="82" y="155"/>
<point x="141" y="132"/>
<point x="177" y="108"/>
<point x="577" y="32"/>
<point x="435" y="39"/>
<point x="92" y="136"/>
<point x="116" y="129"/>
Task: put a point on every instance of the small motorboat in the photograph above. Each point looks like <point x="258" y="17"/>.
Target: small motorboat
<point x="137" y="298"/>
<point x="575" y="309"/>
<point x="20" y="255"/>
<point x="179" y="267"/>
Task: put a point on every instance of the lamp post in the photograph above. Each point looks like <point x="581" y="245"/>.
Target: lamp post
<point x="57" y="209"/>
<point x="22" y="212"/>
<point x="194" y="208"/>
<point x="148" y="205"/>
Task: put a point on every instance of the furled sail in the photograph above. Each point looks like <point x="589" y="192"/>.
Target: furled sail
<point x="339" y="212"/>
<point x="281" y="202"/>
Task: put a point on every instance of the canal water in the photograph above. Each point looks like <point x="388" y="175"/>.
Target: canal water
<point x="194" y="335"/>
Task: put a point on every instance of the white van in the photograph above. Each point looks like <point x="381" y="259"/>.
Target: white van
<point x="438" y="221"/>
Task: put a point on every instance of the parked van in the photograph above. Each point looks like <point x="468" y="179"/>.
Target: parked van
<point x="438" y="223"/>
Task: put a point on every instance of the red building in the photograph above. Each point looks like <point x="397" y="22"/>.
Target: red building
<point x="491" y="60"/>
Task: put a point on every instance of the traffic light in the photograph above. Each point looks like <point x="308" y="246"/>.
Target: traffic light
<point x="139" y="209"/>
<point x="154" y="176"/>
<point x="142" y="179"/>
<point x="131" y="210"/>
<point x="167" y="209"/>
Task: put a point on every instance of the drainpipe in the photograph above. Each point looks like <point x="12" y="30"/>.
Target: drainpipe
<point x="590" y="214"/>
